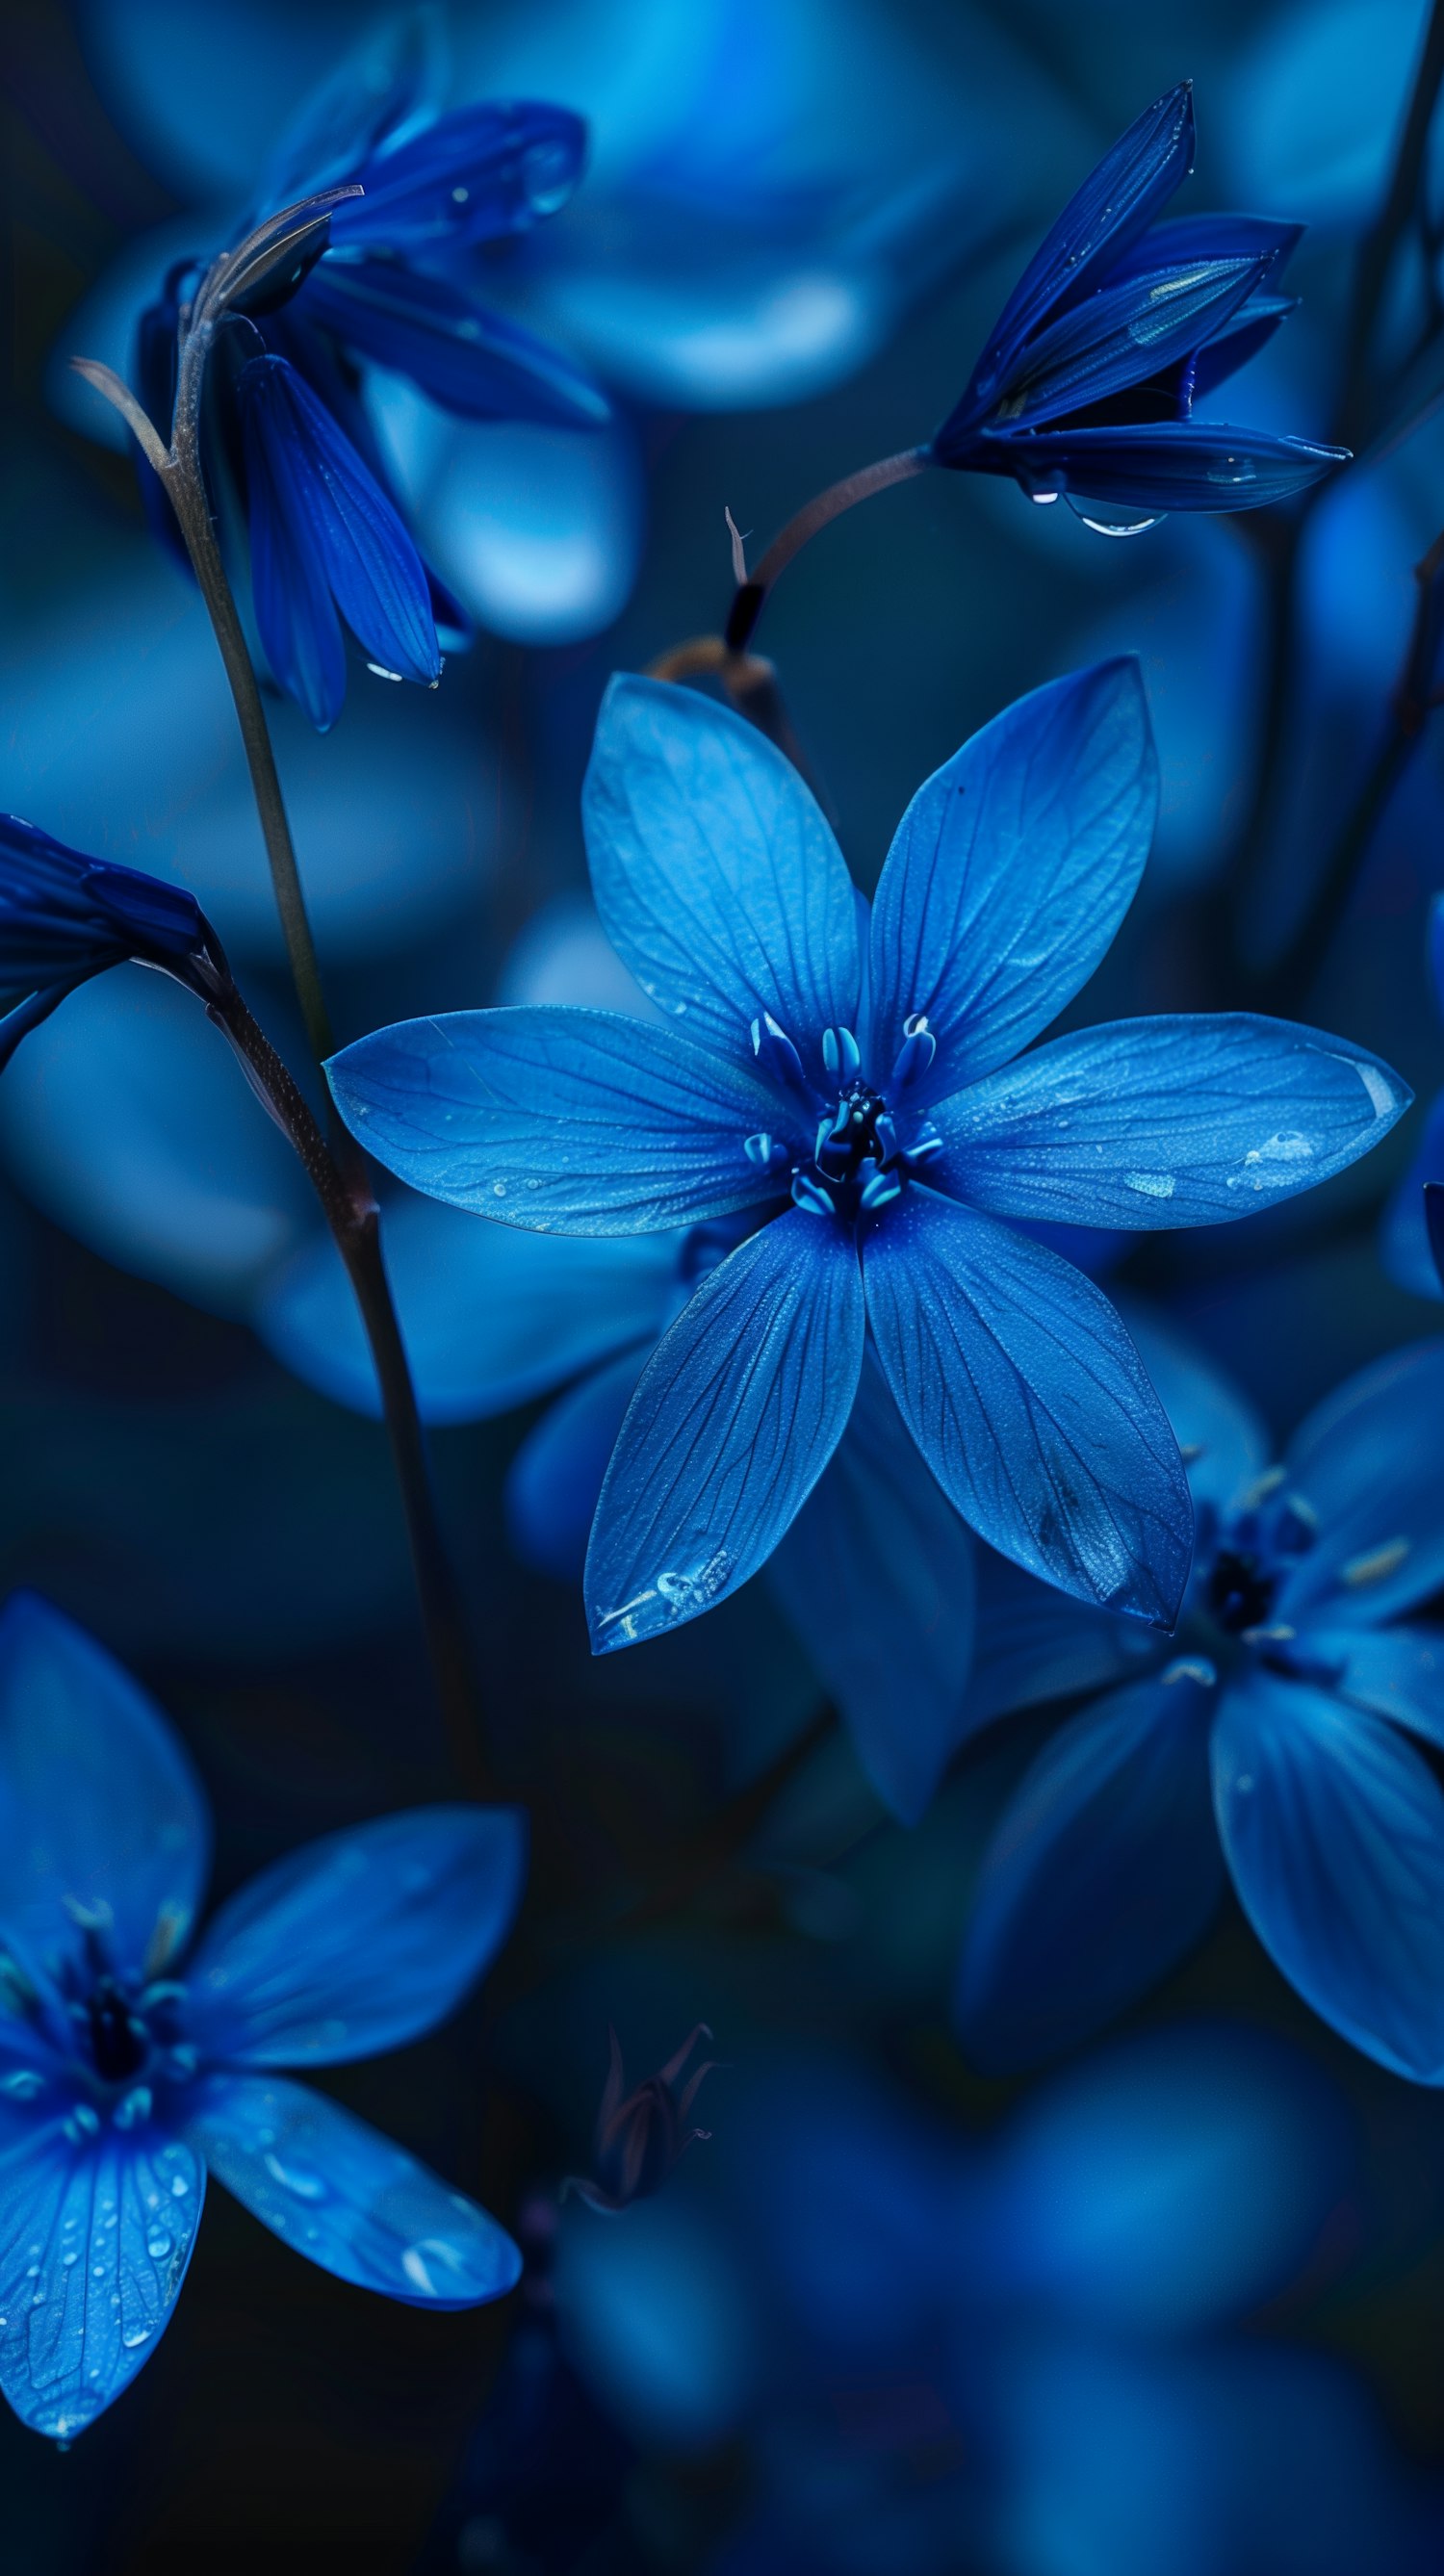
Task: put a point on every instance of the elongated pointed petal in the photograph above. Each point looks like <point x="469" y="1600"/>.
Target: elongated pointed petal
<point x="568" y="1122"/>
<point x="346" y="2197"/>
<point x="1333" y="1826"/>
<point x="1033" y="1643"/>
<point x="1011" y="871"/>
<point x="488" y="170"/>
<point x="1031" y="1406"/>
<point x="1103" y="1873"/>
<point x="1115" y="204"/>
<point x="64" y="916"/>
<point x="716" y="878"/>
<point x="95" y="2237"/>
<point x="319" y="515"/>
<point x="1162" y="465"/>
<point x="1121" y="336"/>
<point x="1367" y="1461"/>
<point x="1396" y="1672"/>
<point x="99" y="1808"/>
<point x="735" y="1416"/>
<point x="1185" y="240"/>
<point x="556" y="1475"/>
<point x="358" y="1942"/>
<point x="471" y="361"/>
<point x="876" y="1576"/>
<point x="491" y="1315"/>
<point x="1166" y="1122"/>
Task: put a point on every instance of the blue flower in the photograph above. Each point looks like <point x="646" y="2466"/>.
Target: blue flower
<point x="868" y="1122"/>
<point x="286" y="431"/>
<point x="65" y="917"/>
<point x="1088" y="381"/>
<point x="1270" y="1727"/>
<point x="126" y="2073"/>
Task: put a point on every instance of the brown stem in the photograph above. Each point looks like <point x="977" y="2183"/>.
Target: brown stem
<point x="751" y="597"/>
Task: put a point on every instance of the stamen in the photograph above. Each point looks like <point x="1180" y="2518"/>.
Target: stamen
<point x="763" y="1150"/>
<point x="1372" y="1568"/>
<point x="774" y="1048"/>
<point x="916" y="1053"/>
<point x="1192" y="1668"/>
<point x="811" y="1197"/>
<point x="880" y="1189"/>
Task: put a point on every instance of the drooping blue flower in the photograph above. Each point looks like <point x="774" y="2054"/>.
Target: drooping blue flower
<point x="285" y="429"/>
<point x="128" y="2071"/>
<point x="1269" y="1740"/>
<point x="1088" y="382"/>
<point x="852" y="1095"/>
<point x="65" y="917"/>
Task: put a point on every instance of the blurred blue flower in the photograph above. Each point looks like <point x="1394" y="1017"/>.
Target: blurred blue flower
<point x="1088" y="382"/>
<point x="1271" y="1726"/>
<point x="124" y="2082"/>
<point x="640" y="2134"/>
<point x="285" y="432"/>
<point x="888" y="1153"/>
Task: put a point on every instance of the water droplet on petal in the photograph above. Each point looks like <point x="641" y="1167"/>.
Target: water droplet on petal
<point x="302" y="2180"/>
<point x="434" y="2267"/>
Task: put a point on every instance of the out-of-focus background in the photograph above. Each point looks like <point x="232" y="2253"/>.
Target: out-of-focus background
<point x="1178" y="2305"/>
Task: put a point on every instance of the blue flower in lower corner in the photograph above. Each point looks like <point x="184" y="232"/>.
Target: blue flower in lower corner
<point x="129" y="2069"/>
<point x="1115" y="330"/>
<point x="852" y="1095"/>
<point x="1270" y="1739"/>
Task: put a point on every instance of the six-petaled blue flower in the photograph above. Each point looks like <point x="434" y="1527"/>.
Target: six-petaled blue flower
<point x="128" y="2070"/>
<point x="1114" y="331"/>
<point x="852" y="1092"/>
<point x="286" y="429"/>
<point x="1271" y="1725"/>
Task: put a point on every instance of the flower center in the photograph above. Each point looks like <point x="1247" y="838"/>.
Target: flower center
<point x="866" y="1144"/>
<point x="119" y="2039"/>
<point x="1240" y="1591"/>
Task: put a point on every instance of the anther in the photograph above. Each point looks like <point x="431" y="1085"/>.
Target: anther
<point x="1372" y="1567"/>
<point x="914" y="1056"/>
<point x="880" y="1189"/>
<point x="811" y="1197"/>
<point x="773" y="1047"/>
<point x="763" y="1150"/>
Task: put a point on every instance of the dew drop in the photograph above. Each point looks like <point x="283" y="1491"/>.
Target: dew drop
<point x="433" y="2266"/>
<point x="135" y="2336"/>
<point x="300" y="2180"/>
<point x="157" y="2245"/>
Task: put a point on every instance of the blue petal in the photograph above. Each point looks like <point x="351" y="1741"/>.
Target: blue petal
<point x="1165" y="2185"/>
<point x="1404" y="1246"/>
<point x="737" y="1413"/>
<point x="876" y="1576"/>
<point x="1031" y="1406"/>
<point x="567" y="1122"/>
<point x="63" y="915"/>
<point x="376" y="91"/>
<point x="1223" y="1441"/>
<point x="1186" y="239"/>
<point x="95" y="2237"/>
<point x="1367" y="1460"/>
<point x="469" y="360"/>
<point x="295" y="612"/>
<point x="485" y="171"/>
<point x="1161" y="465"/>
<point x="318" y="515"/>
<point x="1238" y="342"/>
<point x="556" y="1475"/>
<point x="715" y="876"/>
<point x="346" y="2197"/>
<point x="1396" y="1672"/>
<point x="1011" y="871"/>
<point x="358" y="1942"/>
<point x="1035" y="1644"/>
<point x="100" y="1806"/>
<point x="491" y="1316"/>
<point x="1333" y="1827"/>
<point x="1166" y="1122"/>
<point x="1115" y="204"/>
<point x="1121" y="336"/>
<point x="1103" y="1873"/>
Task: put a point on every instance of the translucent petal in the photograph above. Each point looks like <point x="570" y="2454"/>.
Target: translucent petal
<point x="573" y="1122"/>
<point x="876" y="1576"/>
<point x="101" y="1808"/>
<point x="358" y="1942"/>
<point x="1030" y="1404"/>
<point x="736" y="1415"/>
<point x="715" y="875"/>
<point x="1367" y="1461"/>
<point x="1333" y="1827"/>
<point x="1102" y="1874"/>
<point x="491" y="1315"/>
<point x="1011" y="871"/>
<point x="95" y="2237"/>
<point x="1189" y="1120"/>
<point x="1121" y="336"/>
<point x="346" y="2197"/>
<point x="1162" y="465"/>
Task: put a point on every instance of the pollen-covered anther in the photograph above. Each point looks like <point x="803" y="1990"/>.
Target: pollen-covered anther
<point x="776" y="1053"/>
<point x="764" y="1151"/>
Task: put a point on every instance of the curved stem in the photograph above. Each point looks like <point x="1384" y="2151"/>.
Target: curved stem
<point x="352" y="1218"/>
<point x="185" y="484"/>
<point x="751" y="597"/>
